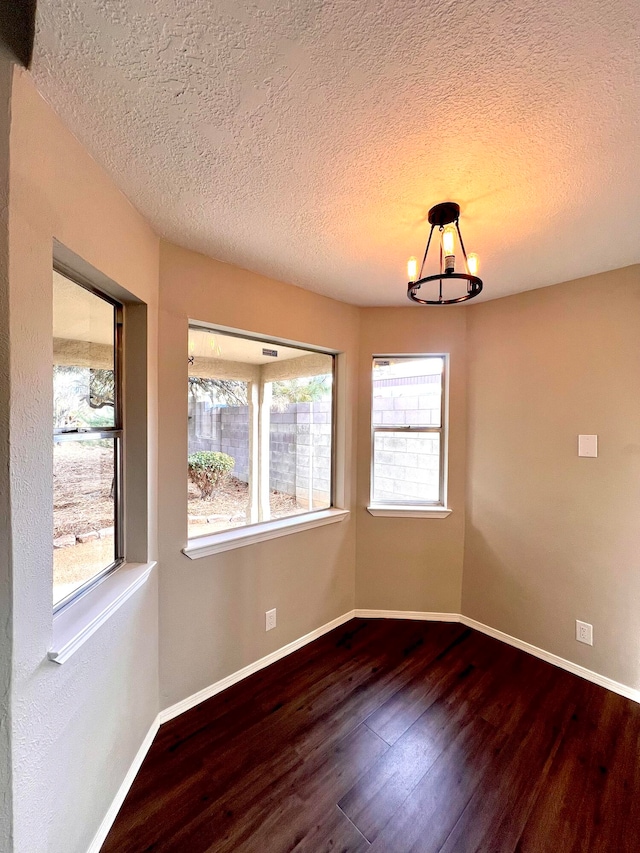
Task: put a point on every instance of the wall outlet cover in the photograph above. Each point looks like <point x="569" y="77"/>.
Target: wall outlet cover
<point x="270" y="619"/>
<point x="584" y="632"/>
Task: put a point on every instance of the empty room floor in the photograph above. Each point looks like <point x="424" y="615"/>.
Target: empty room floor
<point x="393" y="736"/>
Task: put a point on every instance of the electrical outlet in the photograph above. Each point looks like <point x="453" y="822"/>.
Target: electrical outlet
<point x="584" y="632"/>
<point x="270" y="619"/>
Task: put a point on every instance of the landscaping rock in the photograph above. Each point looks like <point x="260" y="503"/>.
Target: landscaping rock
<point x="197" y="519"/>
<point x="213" y="518"/>
<point x="89" y="536"/>
<point x="106" y="532"/>
<point x="66" y="541"/>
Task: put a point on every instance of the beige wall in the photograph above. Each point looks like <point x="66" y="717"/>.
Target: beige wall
<point x="6" y="614"/>
<point x="76" y="727"/>
<point x="412" y="563"/>
<point x="552" y="537"/>
<point x="547" y="538"/>
<point x="212" y="610"/>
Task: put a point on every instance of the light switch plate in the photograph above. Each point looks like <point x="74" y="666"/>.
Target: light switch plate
<point x="588" y="445"/>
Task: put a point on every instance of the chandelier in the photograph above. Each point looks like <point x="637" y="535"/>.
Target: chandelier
<point x="445" y="217"/>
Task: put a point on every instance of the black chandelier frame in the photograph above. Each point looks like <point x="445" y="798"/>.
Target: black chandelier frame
<point x="439" y="216"/>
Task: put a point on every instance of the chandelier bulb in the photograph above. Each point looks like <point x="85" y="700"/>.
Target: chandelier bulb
<point x="448" y="248"/>
<point x="449" y="240"/>
<point x="444" y="217"/>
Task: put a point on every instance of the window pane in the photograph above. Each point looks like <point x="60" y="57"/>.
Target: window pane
<point x="83" y="357"/>
<point x="300" y="438"/>
<point x="218" y="423"/>
<point x="83" y="512"/>
<point x="407" y="391"/>
<point x="268" y="409"/>
<point x="406" y="466"/>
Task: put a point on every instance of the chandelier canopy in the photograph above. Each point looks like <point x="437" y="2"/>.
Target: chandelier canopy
<point x="445" y="217"/>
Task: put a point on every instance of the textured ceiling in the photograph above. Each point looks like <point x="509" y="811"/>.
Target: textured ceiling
<point x="306" y="139"/>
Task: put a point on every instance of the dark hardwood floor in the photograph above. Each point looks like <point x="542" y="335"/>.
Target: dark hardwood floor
<point x="394" y="736"/>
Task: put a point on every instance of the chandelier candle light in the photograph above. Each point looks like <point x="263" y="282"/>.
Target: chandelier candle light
<point x="445" y="217"/>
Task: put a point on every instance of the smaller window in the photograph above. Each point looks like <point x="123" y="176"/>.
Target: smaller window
<point x="87" y="437"/>
<point x="408" y="430"/>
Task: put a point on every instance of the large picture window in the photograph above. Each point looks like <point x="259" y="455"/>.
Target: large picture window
<point x="260" y="430"/>
<point x="87" y="437"/>
<point x="408" y="430"/>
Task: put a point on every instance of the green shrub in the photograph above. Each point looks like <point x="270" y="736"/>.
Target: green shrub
<point x="208" y="469"/>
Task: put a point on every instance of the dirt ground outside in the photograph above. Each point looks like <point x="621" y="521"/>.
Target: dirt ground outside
<point x="227" y="507"/>
<point x="82" y="482"/>
<point x="84" y="511"/>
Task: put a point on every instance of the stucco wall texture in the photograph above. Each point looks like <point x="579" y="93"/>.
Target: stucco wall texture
<point x="76" y="728"/>
<point x="503" y="555"/>
<point x="6" y="614"/>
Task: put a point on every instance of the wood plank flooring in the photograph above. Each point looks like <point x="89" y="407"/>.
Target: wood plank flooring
<point x="394" y="736"/>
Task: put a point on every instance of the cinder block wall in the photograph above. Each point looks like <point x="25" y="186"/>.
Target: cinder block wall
<point x="300" y="445"/>
<point x="313" y="457"/>
<point x="234" y="438"/>
<point x="407" y="465"/>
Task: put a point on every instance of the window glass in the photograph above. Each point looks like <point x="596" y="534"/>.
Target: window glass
<point x="84" y="358"/>
<point x="301" y="433"/>
<point x="86" y="437"/>
<point x="406" y="467"/>
<point x="219" y="423"/>
<point x="260" y="431"/>
<point x="83" y="512"/>
<point x="407" y="425"/>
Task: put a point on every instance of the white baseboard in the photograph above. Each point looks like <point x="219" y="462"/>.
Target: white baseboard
<point x="427" y="616"/>
<point x="192" y="701"/>
<point x="123" y="790"/>
<point x="588" y="674"/>
<point x="422" y="615"/>
<point x="235" y="677"/>
<point x="218" y="686"/>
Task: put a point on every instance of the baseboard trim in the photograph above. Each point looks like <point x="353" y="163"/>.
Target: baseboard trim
<point x="109" y="819"/>
<point x="422" y="615"/>
<point x="218" y="686"/>
<point x="582" y="671"/>
<point x="427" y="616"/>
<point x="191" y="702"/>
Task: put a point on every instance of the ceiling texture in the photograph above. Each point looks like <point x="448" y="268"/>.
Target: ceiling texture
<point x="307" y="139"/>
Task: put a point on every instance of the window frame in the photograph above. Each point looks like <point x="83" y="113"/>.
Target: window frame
<point x="251" y="529"/>
<point x="441" y="430"/>
<point x="116" y="432"/>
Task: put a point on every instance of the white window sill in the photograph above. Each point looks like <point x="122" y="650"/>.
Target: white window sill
<point x="216" y="543"/>
<point x="408" y="511"/>
<point x="73" y="625"/>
